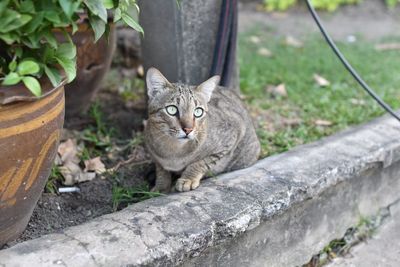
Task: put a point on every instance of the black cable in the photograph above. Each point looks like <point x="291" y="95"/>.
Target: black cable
<point x="352" y="71"/>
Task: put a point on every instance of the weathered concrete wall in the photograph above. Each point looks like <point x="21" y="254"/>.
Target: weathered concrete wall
<point x="276" y="213"/>
<point x="382" y="249"/>
<point x="180" y="41"/>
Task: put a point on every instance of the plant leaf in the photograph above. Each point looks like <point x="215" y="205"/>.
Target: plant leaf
<point x="69" y="65"/>
<point x="131" y="22"/>
<point x="67" y="6"/>
<point x="3" y="5"/>
<point x="75" y="27"/>
<point x="66" y="50"/>
<point x="137" y="8"/>
<point x="97" y="8"/>
<point x="34" y="23"/>
<point x="24" y="19"/>
<point x="33" y="85"/>
<point x="49" y="36"/>
<point x="98" y="27"/>
<point x="16" y="22"/>
<point x="52" y="16"/>
<point x="9" y="38"/>
<point x="117" y="14"/>
<point x="13" y="65"/>
<point x="48" y="55"/>
<point x="28" y="67"/>
<point x="33" y="40"/>
<point x="64" y="21"/>
<point x="7" y="17"/>
<point x="27" y="6"/>
<point x="53" y="74"/>
<point x="11" y="79"/>
<point x="18" y="51"/>
<point x="108" y="4"/>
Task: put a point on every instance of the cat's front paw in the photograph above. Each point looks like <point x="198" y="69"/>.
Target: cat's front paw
<point x="184" y="185"/>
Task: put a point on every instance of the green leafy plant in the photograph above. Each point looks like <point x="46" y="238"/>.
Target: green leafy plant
<point x="329" y="5"/>
<point x="279" y="5"/>
<point x="391" y="3"/>
<point x="35" y="36"/>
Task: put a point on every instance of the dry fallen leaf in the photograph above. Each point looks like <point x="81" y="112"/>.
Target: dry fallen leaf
<point x="292" y="121"/>
<point x="323" y="123"/>
<point x="279" y="90"/>
<point x="68" y="163"/>
<point x="140" y="71"/>
<point x="95" y="165"/>
<point x="357" y="102"/>
<point x="291" y="41"/>
<point x="57" y="160"/>
<point x="243" y="97"/>
<point x="255" y="39"/>
<point x="351" y="39"/>
<point x="264" y="52"/>
<point x="73" y="174"/>
<point x="387" y="46"/>
<point x="68" y="151"/>
<point x="321" y="81"/>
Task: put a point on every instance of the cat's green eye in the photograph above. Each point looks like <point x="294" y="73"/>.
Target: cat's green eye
<point x="198" y="112"/>
<point x="172" y="110"/>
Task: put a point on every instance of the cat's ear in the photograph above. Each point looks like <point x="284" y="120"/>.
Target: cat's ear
<point x="206" y="88"/>
<point x="156" y="82"/>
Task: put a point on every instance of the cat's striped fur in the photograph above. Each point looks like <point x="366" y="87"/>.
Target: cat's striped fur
<point x="221" y="139"/>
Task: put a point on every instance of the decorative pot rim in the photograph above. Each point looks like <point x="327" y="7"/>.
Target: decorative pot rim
<point x="19" y="93"/>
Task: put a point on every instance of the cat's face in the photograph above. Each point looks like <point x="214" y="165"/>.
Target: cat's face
<point x="176" y="110"/>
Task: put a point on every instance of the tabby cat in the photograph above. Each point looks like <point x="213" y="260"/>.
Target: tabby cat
<point x="196" y="131"/>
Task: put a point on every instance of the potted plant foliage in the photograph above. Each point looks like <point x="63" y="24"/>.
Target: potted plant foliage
<point x="35" y="64"/>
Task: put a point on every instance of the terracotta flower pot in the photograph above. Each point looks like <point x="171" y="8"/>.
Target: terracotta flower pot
<point x="30" y="129"/>
<point x="93" y="62"/>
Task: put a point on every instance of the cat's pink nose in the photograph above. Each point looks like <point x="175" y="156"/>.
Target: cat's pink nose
<point x="187" y="130"/>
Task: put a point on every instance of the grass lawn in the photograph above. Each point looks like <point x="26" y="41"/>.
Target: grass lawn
<point x="309" y="111"/>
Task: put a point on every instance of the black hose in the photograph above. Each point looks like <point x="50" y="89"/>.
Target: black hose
<point x="352" y="71"/>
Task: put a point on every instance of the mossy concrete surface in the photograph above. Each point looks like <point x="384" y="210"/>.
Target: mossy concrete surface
<point x="383" y="249"/>
<point x="279" y="212"/>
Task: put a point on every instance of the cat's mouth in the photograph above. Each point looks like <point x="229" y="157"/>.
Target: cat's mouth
<point x="186" y="137"/>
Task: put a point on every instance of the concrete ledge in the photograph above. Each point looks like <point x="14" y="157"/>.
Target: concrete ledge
<point x="277" y="213"/>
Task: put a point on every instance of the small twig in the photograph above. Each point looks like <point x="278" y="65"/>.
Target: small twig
<point x="129" y="161"/>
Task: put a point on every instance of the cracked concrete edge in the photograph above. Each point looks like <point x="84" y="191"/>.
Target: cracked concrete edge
<point x="380" y="249"/>
<point x="178" y="228"/>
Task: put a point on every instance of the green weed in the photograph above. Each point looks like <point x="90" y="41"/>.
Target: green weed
<point x="123" y="195"/>
<point x="54" y="180"/>
<point x="98" y="137"/>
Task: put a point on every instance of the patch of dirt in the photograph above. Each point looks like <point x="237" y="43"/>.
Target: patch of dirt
<point x="126" y="116"/>
<point x="56" y="212"/>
